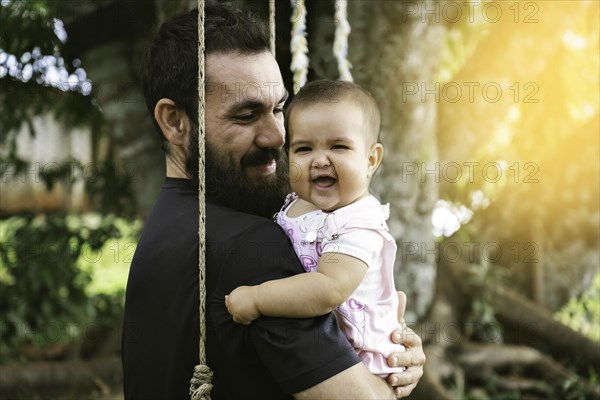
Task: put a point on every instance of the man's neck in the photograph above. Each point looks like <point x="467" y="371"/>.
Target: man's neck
<point x="175" y="169"/>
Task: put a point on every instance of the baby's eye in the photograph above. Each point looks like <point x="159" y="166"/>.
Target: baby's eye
<point x="339" y="146"/>
<point x="302" y="149"/>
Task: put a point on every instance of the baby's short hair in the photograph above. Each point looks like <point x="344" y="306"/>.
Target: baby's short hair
<point x="327" y="91"/>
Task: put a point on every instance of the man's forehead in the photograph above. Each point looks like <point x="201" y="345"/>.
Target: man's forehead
<point x="238" y="77"/>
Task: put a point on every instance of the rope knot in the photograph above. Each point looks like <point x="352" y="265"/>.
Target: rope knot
<point x="200" y="384"/>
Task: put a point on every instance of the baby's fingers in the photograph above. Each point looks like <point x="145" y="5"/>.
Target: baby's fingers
<point x="241" y="321"/>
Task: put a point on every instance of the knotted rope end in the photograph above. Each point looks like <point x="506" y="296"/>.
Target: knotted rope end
<point x="200" y="384"/>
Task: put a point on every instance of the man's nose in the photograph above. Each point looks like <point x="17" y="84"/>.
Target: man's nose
<point x="271" y="133"/>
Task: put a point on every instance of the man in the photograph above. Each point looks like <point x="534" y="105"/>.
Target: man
<point x="273" y="358"/>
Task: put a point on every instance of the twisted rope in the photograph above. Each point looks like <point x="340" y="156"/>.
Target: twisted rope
<point x="299" y="44"/>
<point x="200" y="384"/>
<point x="272" y="26"/>
<point x="340" y="43"/>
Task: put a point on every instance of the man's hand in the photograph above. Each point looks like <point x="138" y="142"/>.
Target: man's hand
<point x="413" y="358"/>
<point x="241" y="304"/>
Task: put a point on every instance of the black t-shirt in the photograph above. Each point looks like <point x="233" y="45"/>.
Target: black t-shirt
<point x="268" y="359"/>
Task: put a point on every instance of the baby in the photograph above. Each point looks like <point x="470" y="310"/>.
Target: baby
<point x="336" y="227"/>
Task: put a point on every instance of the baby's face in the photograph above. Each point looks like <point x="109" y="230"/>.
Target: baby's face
<point x="331" y="160"/>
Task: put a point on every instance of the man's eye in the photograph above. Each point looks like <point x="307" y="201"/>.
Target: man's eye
<point x="245" y="117"/>
<point x="278" y="110"/>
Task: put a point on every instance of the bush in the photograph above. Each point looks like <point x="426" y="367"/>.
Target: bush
<point x="582" y="313"/>
<point x="57" y="279"/>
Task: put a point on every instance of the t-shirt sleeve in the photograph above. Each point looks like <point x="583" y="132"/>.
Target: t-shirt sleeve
<point x="364" y="244"/>
<point x="298" y="352"/>
<point x="301" y="353"/>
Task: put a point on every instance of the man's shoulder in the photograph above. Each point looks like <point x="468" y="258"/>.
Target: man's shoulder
<point x="226" y="222"/>
<point x="238" y="240"/>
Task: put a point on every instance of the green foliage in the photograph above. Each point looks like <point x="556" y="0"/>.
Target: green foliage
<point x="22" y="97"/>
<point x="32" y="16"/>
<point x="39" y="50"/>
<point x="461" y="39"/>
<point x="49" y="272"/>
<point x="108" y="265"/>
<point x="482" y="317"/>
<point x="111" y="191"/>
<point x="577" y="389"/>
<point x="583" y="313"/>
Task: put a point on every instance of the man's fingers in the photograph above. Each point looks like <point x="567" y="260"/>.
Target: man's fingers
<point x="404" y="391"/>
<point x="401" y="306"/>
<point x="392" y="380"/>
<point x="410" y="338"/>
<point x="404" y="383"/>
<point x="407" y="377"/>
<point x="407" y="358"/>
<point x="407" y="337"/>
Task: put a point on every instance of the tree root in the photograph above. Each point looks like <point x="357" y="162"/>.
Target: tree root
<point x="524" y="369"/>
<point x="529" y="323"/>
<point x="431" y="384"/>
<point x="534" y="325"/>
<point x="484" y="360"/>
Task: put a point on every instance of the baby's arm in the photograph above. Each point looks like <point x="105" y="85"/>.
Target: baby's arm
<point x="300" y="296"/>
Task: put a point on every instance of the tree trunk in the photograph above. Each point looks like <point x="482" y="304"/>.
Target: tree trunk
<point x="112" y="62"/>
<point x="132" y="131"/>
<point x="391" y="50"/>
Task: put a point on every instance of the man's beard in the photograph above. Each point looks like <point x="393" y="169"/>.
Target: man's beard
<point x="227" y="182"/>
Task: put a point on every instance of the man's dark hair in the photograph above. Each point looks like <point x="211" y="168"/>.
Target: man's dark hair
<point x="170" y="64"/>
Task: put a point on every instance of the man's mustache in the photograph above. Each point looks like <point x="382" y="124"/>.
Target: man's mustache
<point x="261" y="156"/>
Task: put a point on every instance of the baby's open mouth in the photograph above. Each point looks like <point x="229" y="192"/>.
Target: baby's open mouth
<point x="325" y="181"/>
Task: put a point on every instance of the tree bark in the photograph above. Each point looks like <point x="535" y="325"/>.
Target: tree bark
<point x="390" y="50"/>
<point x="437" y="368"/>
<point x="111" y="60"/>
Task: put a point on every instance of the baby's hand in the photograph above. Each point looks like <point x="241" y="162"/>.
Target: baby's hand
<point x="241" y="304"/>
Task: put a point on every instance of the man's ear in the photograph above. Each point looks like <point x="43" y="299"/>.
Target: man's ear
<point x="375" y="157"/>
<point x="173" y="122"/>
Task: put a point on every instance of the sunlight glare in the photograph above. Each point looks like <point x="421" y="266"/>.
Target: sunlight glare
<point x="573" y="40"/>
<point x="448" y="217"/>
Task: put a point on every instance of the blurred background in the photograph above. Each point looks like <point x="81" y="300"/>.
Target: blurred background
<point x="491" y="132"/>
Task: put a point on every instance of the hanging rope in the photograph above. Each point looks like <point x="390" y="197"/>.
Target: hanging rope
<point x="340" y="44"/>
<point x="272" y="26"/>
<point x="200" y="384"/>
<point x="299" y="45"/>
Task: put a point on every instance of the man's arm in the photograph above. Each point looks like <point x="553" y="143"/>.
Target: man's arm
<point x="353" y="383"/>
<point x="357" y="382"/>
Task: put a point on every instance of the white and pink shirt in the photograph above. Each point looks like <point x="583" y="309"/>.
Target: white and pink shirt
<point x="369" y="315"/>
